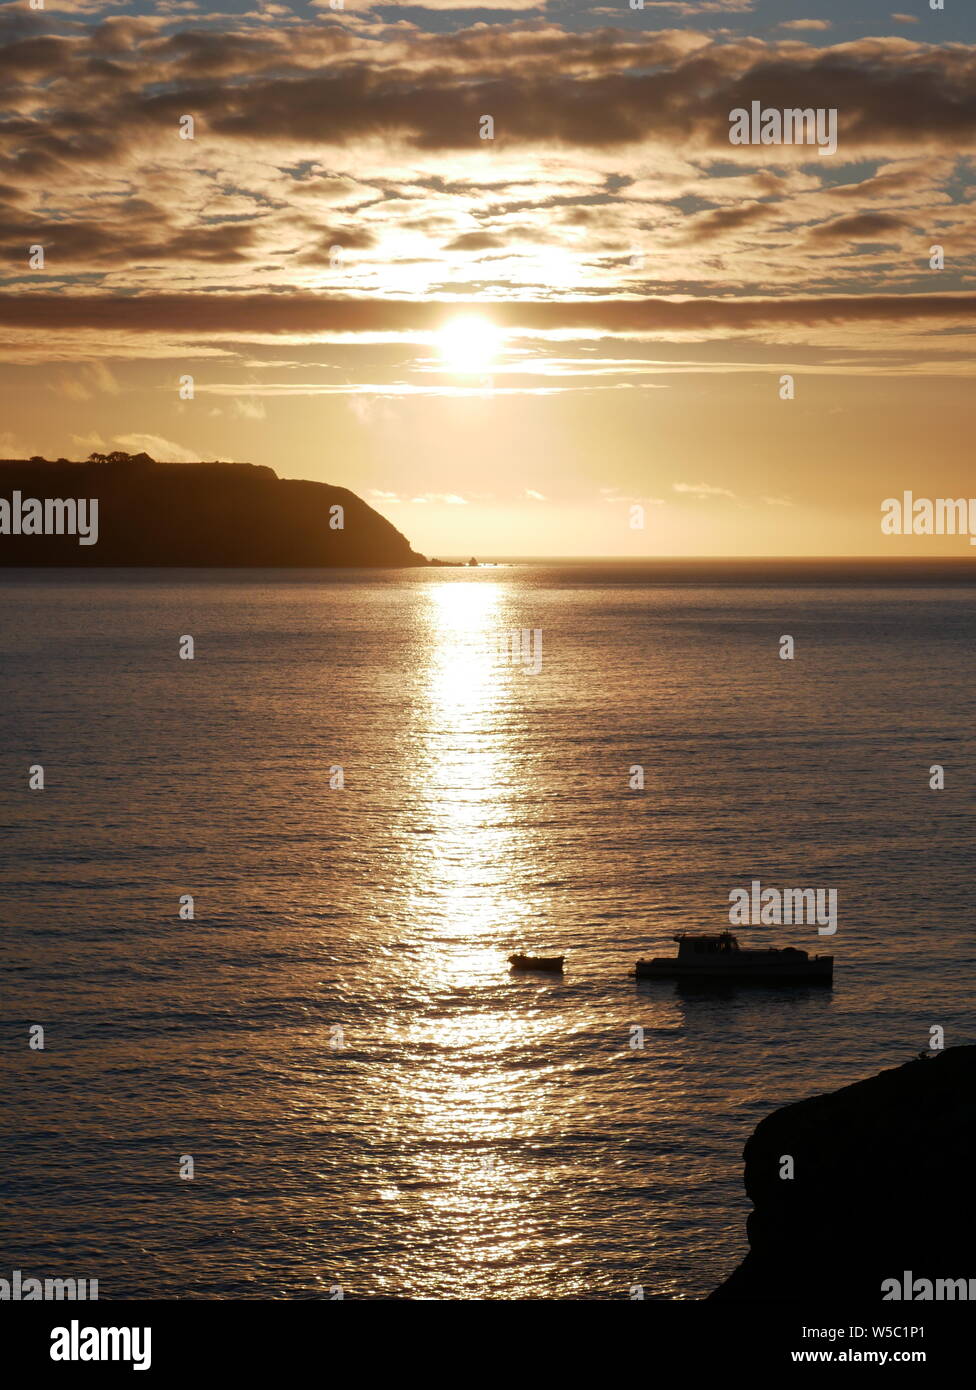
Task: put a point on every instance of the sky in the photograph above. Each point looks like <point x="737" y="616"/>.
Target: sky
<point x="569" y="338"/>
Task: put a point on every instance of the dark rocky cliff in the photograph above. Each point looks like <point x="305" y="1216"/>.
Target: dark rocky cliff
<point x="200" y="514"/>
<point x="884" y="1183"/>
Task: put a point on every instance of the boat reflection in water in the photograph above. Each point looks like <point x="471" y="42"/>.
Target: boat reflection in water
<point x="720" y="957"/>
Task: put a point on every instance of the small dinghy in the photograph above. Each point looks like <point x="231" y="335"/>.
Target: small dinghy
<point x="554" y="964"/>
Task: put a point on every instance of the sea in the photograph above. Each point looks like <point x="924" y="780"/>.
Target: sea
<point x="259" y="1034"/>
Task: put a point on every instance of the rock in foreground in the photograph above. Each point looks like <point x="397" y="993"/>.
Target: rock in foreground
<point x="884" y="1184"/>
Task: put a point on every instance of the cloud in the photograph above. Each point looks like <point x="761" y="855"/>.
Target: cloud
<point x="812" y="24"/>
<point x="706" y="226"/>
<point x="886" y="96"/>
<point x="98" y="242"/>
<point x="90" y="442"/>
<point x="867" y="226"/>
<point x="248" y="315"/>
<point x="88" y="381"/>
<point x="911" y="178"/>
<point x="11" y="447"/>
<point x="163" y="450"/>
<point x="475" y="241"/>
<point x="693" y="7"/>
<point x="453" y="4"/>
<point x="611" y="160"/>
<point x="328" y="87"/>
<point x="702" y="490"/>
<point x="449" y="499"/>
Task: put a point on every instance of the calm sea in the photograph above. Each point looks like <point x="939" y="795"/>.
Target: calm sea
<point x="370" y="1099"/>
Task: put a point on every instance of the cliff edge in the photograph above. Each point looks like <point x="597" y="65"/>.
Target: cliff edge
<point x="193" y="514"/>
<point x="883" y="1184"/>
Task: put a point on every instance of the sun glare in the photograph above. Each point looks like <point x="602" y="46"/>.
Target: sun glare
<point x="469" y="345"/>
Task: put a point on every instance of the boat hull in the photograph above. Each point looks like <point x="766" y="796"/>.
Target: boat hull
<point x="553" y="965"/>
<point x="811" y="972"/>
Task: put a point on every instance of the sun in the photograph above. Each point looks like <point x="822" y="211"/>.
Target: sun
<point x="469" y="344"/>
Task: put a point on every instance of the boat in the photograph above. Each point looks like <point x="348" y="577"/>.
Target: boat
<point x="720" y="957"/>
<point x="554" y="964"/>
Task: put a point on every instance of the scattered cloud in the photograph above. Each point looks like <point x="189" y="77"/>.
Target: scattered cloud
<point x="11" y="447"/>
<point x="88" y="381"/>
<point x="702" y="490"/>
<point x="163" y="450"/>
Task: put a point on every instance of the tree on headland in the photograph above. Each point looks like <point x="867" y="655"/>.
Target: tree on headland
<point x="119" y="456"/>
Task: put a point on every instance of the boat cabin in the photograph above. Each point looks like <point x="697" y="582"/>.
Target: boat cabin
<point x="705" y="945"/>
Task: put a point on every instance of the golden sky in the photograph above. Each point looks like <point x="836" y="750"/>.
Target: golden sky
<point x="504" y="344"/>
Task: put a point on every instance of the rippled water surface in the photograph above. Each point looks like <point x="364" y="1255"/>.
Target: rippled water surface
<point x="476" y="1134"/>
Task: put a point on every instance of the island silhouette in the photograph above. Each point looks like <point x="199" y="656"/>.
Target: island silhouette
<point x="195" y="514"/>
